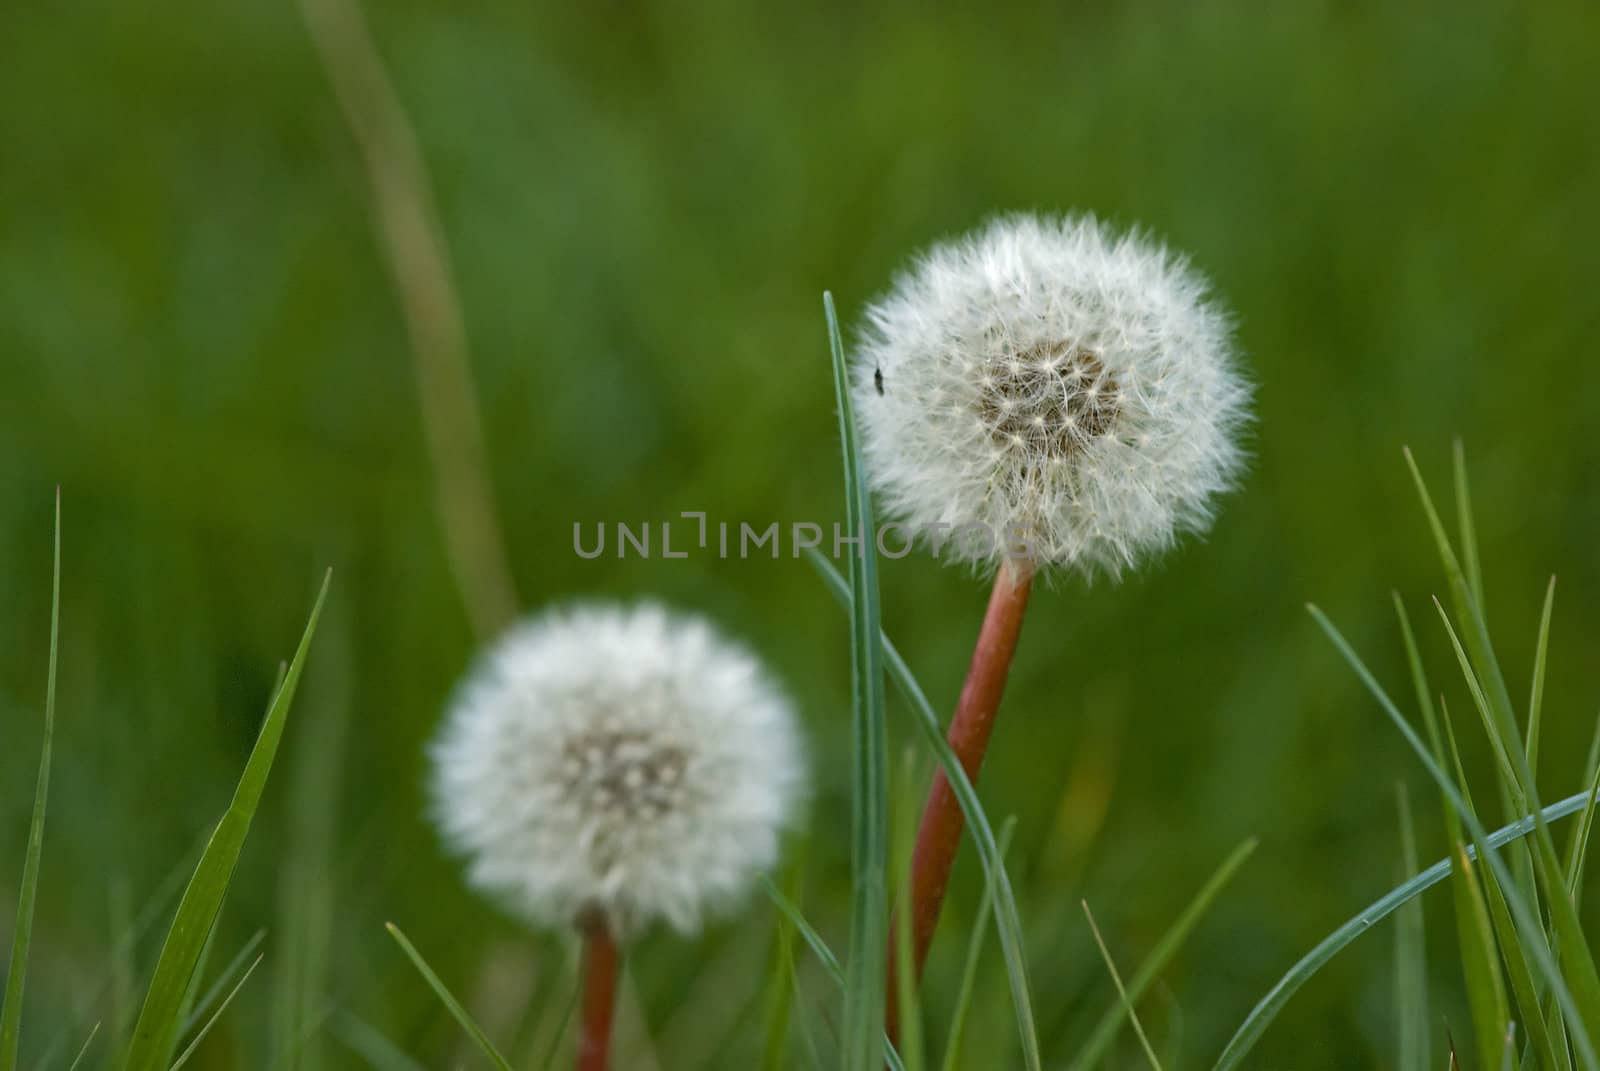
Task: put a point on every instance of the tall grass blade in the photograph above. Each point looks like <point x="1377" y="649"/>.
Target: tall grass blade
<point x="1122" y="992"/>
<point x="1008" y="923"/>
<point x="22" y="935"/>
<point x="188" y="1051"/>
<point x="1580" y="968"/>
<point x="1266" y="1010"/>
<point x="1536" y="697"/>
<point x="159" y="1018"/>
<point x="1578" y="844"/>
<point x="1469" y="531"/>
<point x="969" y="973"/>
<point x="1411" y="967"/>
<point x="1093" y="1052"/>
<point x="448" y="999"/>
<point x="864" y="991"/>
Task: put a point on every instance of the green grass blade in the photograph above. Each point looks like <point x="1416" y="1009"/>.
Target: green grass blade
<point x="1469" y="532"/>
<point x="819" y="948"/>
<point x="1486" y="991"/>
<point x="234" y="966"/>
<point x="780" y="989"/>
<point x="1580" y="968"/>
<point x="447" y="998"/>
<point x="77" y="1061"/>
<point x="1536" y="697"/>
<point x="907" y="991"/>
<point x="188" y="1051"/>
<point x="1475" y="632"/>
<point x="1122" y="992"/>
<point x="1523" y="986"/>
<point x="1093" y="1052"/>
<point x="159" y="1018"/>
<point x="1527" y="923"/>
<point x="1008" y="923"/>
<point x="1410" y="968"/>
<point x="17" y="973"/>
<point x="1578" y="845"/>
<point x="864" y="991"/>
<point x="969" y="973"/>
<point x="1480" y="966"/>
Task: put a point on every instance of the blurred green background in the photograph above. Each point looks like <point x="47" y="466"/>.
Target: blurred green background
<point x="199" y="341"/>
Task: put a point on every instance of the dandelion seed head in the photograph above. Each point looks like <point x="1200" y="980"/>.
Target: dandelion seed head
<point x="625" y="761"/>
<point x="1055" y="378"/>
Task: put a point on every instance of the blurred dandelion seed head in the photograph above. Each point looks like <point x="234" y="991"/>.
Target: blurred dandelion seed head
<point x="1056" y="379"/>
<point x="625" y="761"/>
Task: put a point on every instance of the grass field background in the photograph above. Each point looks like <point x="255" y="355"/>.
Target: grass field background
<point x="200" y="343"/>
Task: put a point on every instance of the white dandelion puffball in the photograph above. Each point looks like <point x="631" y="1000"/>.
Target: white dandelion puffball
<point x="1050" y="387"/>
<point x="621" y="762"/>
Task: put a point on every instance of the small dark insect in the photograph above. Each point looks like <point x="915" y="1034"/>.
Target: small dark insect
<point x="877" y="379"/>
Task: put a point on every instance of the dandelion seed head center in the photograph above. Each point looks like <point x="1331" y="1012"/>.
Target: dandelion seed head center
<point x="625" y="774"/>
<point x="1053" y="398"/>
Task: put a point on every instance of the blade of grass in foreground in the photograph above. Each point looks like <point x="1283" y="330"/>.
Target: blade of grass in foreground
<point x="16" y="975"/>
<point x="1008" y="923"/>
<point x="1527" y="923"/>
<point x="448" y="999"/>
<point x="1267" y="1009"/>
<point x="864" y="989"/>
<point x="158" y="1023"/>
<point x="1093" y="1052"/>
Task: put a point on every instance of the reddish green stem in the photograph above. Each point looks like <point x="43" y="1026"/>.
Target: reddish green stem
<point x="603" y="963"/>
<point x="939" y="835"/>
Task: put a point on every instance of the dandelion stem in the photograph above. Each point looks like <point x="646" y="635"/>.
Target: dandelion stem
<point x="939" y="835"/>
<point x="603" y="963"/>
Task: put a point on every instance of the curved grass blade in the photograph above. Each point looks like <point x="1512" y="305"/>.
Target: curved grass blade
<point x="1092" y="1053"/>
<point x="1008" y="922"/>
<point x="17" y="973"/>
<point x="454" y="1006"/>
<point x="159" y="1018"/>
<point x="1122" y="992"/>
<point x="188" y="1051"/>
<point x="864" y="991"/>
<point x="969" y="973"/>
<point x="1267" y="1009"/>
